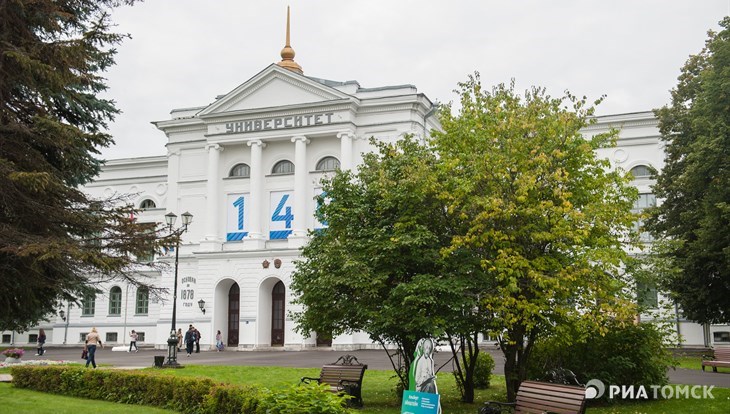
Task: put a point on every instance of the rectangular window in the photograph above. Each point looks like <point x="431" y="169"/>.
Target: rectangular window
<point x="111" y="337"/>
<point x="143" y="301"/>
<point x="88" y="305"/>
<point x="32" y="338"/>
<point x="722" y="337"/>
<point x="82" y="336"/>
<point x="140" y="336"/>
<point x="647" y="295"/>
<point x="6" y="338"/>
<point x="644" y="201"/>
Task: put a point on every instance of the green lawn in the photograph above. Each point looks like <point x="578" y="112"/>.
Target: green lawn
<point x="13" y="400"/>
<point x="379" y="394"/>
<point x="692" y="362"/>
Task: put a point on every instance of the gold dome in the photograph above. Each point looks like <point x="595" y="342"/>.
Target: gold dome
<point x="287" y="53"/>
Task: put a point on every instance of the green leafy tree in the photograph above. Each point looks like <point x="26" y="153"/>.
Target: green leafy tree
<point x="52" y="123"/>
<point x="546" y="217"/>
<point x="378" y="266"/>
<point x="694" y="183"/>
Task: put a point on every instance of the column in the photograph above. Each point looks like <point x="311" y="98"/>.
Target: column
<point x="346" y="138"/>
<point x="212" y="240"/>
<point x="255" y="239"/>
<point x="173" y="171"/>
<point x="299" y="233"/>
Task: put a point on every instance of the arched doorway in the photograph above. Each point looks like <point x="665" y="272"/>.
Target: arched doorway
<point x="278" y="299"/>
<point x="234" y="306"/>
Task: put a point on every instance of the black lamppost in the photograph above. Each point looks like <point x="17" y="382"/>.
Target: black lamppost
<point x="170" y="218"/>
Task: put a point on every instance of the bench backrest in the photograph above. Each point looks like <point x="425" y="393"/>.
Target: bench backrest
<point x="722" y="354"/>
<point x="332" y="374"/>
<point x="538" y="397"/>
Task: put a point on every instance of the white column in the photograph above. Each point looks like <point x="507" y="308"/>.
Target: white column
<point x="299" y="233"/>
<point x="255" y="239"/>
<point x="346" y="138"/>
<point x="173" y="172"/>
<point x="212" y="240"/>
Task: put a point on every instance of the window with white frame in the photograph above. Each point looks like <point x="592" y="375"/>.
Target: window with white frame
<point x="641" y="171"/>
<point x="147" y="204"/>
<point x="328" y="164"/>
<point x="283" y="167"/>
<point x="644" y="201"/>
<point x="241" y="171"/>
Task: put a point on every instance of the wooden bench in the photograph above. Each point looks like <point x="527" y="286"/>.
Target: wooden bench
<point x="721" y="358"/>
<point x="535" y="397"/>
<point x="344" y="376"/>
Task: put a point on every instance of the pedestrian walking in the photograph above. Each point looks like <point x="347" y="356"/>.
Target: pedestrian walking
<point x="197" y="340"/>
<point x="92" y="340"/>
<point x="41" y="341"/>
<point x="179" y="339"/>
<point x="189" y="340"/>
<point x="133" y="341"/>
<point x="219" y="341"/>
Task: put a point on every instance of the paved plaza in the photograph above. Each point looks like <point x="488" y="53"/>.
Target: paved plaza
<point x="375" y="359"/>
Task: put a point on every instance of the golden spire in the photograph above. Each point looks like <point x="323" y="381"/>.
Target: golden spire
<point x="287" y="53"/>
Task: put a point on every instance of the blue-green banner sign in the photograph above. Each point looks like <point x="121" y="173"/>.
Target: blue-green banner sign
<point x="419" y="403"/>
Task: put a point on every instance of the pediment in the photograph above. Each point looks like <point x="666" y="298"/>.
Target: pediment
<point x="273" y="87"/>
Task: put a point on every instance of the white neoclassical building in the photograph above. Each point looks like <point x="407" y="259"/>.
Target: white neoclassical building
<point x="248" y="167"/>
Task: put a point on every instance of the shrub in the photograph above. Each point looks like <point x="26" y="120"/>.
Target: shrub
<point x="187" y="395"/>
<point x="482" y="373"/>
<point x="305" y="398"/>
<point x="232" y="399"/>
<point x="632" y="354"/>
<point x="14" y="352"/>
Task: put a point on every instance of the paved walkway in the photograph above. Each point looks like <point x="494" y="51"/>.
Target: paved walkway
<point x="376" y="359"/>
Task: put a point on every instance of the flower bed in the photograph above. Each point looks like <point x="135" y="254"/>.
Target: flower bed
<point x="37" y="363"/>
<point x="14" y="353"/>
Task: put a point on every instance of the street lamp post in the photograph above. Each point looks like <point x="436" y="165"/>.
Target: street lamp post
<point x="170" y="218"/>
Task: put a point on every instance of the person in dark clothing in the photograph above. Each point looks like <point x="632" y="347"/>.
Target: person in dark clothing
<point x="189" y="340"/>
<point x="41" y="341"/>
<point x="197" y="340"/>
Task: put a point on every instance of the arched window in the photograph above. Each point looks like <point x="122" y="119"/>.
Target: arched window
<point x="88" y="305"/>
<point x="283" y="167"/>
<point x="328" y="164"/>
<point x="240" y="170"/>
<point x="147" y="204"/>
<point x="641" y="171"/>
<point x="115" y="301"/>
<point x="143" y="301"/>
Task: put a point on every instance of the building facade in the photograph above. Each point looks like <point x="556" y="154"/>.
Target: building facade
<point x="248" y="167"/>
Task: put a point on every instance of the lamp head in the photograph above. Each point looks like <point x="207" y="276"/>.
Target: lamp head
<point x="170" y="219"/>
<point x="187" y="218"/>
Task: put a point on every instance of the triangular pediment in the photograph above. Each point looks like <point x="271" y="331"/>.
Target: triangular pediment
<point x="273" y="87"/>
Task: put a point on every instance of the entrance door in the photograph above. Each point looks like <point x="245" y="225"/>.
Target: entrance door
<point x="234" y="305"/>
<point x="277" y="314"/>
<point x="324" y="339"/>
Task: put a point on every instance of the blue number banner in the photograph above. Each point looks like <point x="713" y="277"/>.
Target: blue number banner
<point x="419" y="403"/>
<point x="237" y="213"/>
<point x="280" y="226"/>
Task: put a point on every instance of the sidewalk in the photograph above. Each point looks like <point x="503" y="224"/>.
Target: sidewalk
<point x="376" y="359"/>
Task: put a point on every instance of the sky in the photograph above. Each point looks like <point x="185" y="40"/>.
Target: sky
<point x="184" y="53"/>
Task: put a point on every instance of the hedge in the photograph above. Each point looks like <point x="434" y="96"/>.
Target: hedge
<point x="187" y="395"/>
